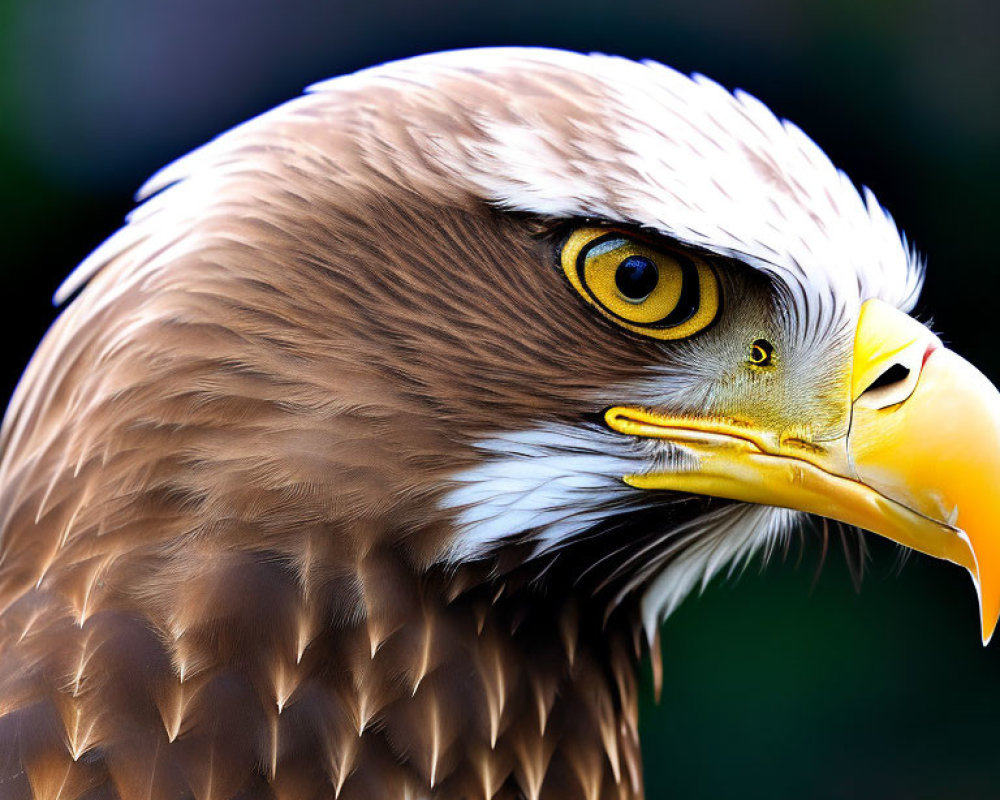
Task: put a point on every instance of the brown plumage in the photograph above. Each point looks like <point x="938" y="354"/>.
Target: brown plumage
<point x="219" y="516"/>
<point x="225" y="477"/>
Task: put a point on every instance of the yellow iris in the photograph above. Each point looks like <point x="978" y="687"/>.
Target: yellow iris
<point x="659" y="293"/>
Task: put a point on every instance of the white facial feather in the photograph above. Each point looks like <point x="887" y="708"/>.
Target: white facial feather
<point x="731" y="537"/>
<point x="555" y="483"/>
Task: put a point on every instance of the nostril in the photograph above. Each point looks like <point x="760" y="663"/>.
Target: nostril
<point x="895" y="374"/>
<point x="897" y="378"/>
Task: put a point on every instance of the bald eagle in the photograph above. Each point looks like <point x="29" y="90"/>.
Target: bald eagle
<point x="374" y="448"/>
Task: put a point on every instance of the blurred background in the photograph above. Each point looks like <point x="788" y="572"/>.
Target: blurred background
<point x="782" y="684"/>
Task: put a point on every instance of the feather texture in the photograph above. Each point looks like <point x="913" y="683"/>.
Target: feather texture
<point x="301" y="496"/>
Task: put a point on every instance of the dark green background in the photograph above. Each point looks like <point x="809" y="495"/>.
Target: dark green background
<point x="775" y="687"/>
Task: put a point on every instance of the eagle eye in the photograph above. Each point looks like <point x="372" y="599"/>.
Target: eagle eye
<point x="658" y="292"/>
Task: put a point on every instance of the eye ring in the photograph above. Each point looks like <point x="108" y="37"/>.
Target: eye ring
<point x="648" y="288"/>
<point x="761" y="353"/>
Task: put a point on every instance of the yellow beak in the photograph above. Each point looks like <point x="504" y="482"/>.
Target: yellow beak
<point x="920" y="464"/>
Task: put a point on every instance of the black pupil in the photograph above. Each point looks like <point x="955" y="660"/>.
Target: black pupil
<point x="636" y="277"/>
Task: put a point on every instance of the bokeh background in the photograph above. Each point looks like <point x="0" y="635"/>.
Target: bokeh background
<point x="780" y="685"/>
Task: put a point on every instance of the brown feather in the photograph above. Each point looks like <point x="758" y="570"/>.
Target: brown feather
<point x="221" y="556"/>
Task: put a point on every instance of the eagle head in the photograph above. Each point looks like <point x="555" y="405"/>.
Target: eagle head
<point x="373" y="442"/>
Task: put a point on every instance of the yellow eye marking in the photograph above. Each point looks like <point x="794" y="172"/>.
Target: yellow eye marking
<point x="761" y="353"/>
<point x="658" y="292"/>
